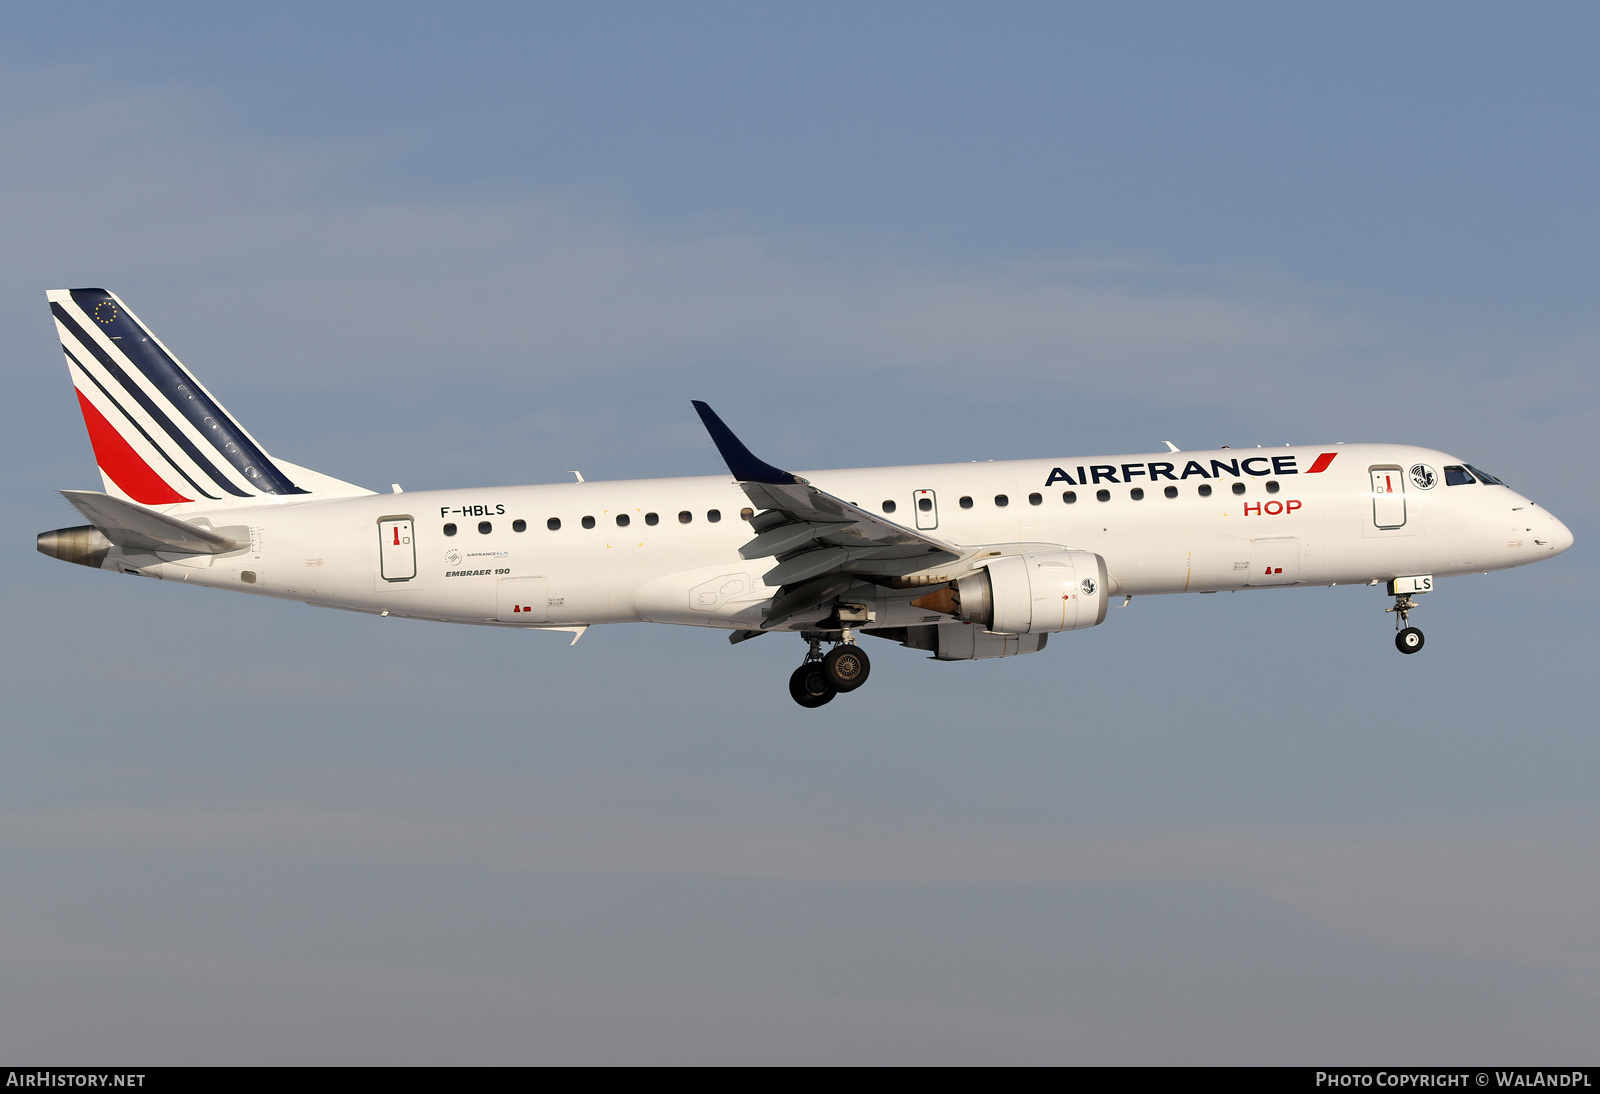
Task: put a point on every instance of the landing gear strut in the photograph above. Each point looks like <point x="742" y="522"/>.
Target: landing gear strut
<point x="1408" y="639"/>
<point x="822" y="676"/>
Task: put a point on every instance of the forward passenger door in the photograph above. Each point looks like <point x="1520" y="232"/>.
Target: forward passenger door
<point x="1388" y="497"/>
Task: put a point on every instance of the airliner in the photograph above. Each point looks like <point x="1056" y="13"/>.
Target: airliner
<point x="963" y="561"/>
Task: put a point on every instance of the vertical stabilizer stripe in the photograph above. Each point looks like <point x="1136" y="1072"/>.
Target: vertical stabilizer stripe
<point x="145" y="402"/>
<point x="122" y="464"/>
<point x="183" y="393"/>
<point x="131" y="420"/>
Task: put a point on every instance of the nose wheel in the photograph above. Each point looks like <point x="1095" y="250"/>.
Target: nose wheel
<point x="1407" y="639"/>
<point x="822" y="676"/>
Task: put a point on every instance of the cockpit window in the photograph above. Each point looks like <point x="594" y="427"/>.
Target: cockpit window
<point x="1456" y="475"/>
<point x="1484" y="477"/>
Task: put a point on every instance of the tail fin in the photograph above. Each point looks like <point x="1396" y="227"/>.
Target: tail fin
<point x="159" y="436"/>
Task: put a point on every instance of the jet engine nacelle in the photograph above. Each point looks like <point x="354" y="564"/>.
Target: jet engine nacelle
<point x="1035" y="594"/>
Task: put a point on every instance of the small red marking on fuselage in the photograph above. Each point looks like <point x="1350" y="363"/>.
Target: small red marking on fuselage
<point x="1322" y="463"/>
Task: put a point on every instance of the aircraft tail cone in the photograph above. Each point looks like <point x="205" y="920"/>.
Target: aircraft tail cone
<point x="85" y="545"/>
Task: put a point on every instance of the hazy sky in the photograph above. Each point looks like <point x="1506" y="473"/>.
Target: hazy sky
<point x="484" y="244"/>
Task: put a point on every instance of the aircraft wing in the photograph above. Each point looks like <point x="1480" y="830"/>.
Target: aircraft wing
<point x="822" y="543"/>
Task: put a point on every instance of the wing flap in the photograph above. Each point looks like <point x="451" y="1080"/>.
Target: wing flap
<point x="806" y="565"/>
<point x="783" y="538"/>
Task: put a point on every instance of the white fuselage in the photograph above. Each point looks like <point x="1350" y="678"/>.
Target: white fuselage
<point x="1329" y="527"/>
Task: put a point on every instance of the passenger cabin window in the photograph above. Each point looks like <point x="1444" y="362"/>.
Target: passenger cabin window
<point x="746" y="514"/>
<point x="1102" y="495"/>
<point x="685" y="517"/>
<point x="554" y="524"/>
<point x="1001" y="501"/>
<point x="1238" y="488"/>
<point x="652" y="519"/>
<point x="449" y="529"/>
<point x="1205" y="490"/>
<point x="925" y="504"/>
<point x="622" y="520"/>
<point x="587" y="522"/>
<point x="1171" y="491"/>
<point x="1035" y="499"/>
<point x="484" y="527"/>
<point x="713" y="515"/>
<point x="1272" y="487"/>
<point x="519" y="526"/>
<point x="888" y="506"/>
<point x="1070" y="497"/>
<point x="966" y="503"/>
<point x="1137" y="493"/>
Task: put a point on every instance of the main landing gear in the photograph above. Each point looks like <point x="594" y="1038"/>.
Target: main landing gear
<point x="824" y="675"/>
<point x="1407" y="639"/>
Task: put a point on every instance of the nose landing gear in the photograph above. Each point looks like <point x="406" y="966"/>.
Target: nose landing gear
<point x="822" y="676"/>
<point x="1407" y="639"/>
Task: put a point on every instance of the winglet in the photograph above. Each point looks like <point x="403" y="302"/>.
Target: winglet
<point x="740" y="460"/>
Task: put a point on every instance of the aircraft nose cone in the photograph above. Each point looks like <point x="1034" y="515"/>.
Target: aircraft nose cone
<point x="1558" y="536"/>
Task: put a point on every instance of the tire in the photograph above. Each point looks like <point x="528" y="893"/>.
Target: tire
<point x="1408" y="640"/>
<point x="847" y="667"/>
<point x="809" y="685"/>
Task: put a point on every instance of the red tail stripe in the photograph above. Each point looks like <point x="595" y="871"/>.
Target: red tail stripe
<point x="122" y="464"/>
<point x="1322" y="463"/>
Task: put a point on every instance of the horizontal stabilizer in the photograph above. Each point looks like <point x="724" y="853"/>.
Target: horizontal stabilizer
<point x="133" y="527"/>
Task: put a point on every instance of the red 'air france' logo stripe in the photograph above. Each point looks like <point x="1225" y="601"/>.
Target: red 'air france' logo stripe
<point x="122" y="464"/>
<point x="1322" y="463"/>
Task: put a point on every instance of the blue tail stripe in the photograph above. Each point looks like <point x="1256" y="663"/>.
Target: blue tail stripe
<point x="155" y="412"/>
<point x="169" y="378"/>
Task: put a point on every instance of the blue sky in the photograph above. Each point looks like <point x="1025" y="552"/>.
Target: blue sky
<point x="485" y="244"/>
